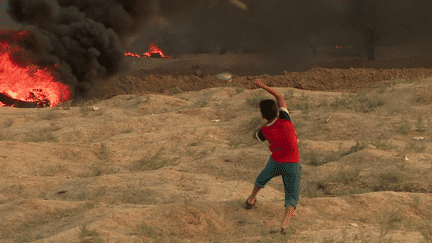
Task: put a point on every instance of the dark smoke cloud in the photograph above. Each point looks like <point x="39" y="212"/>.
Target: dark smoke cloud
<point x="287" y="28"/>
<point x="85" y="38"/>
<point x="281" y="28"/>
<point x="396" y="20"/>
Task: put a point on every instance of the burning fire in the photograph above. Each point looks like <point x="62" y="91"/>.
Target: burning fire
<point x="29" y="84"/>
<point x="132" y="54"/>
<point x="153" y="49"/>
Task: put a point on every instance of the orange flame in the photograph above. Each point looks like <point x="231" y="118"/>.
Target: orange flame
<point x="132" y="54"/>
<point x="155" y="49"/>
<point x="29" y="84"/>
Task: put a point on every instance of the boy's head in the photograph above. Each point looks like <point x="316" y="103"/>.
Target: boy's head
<point x="269" y="109"/>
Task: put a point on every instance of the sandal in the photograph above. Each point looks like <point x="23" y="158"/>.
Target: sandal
<point x="249" y="206"/>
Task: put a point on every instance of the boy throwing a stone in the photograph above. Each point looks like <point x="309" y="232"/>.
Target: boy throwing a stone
<point x="284" y="160"/>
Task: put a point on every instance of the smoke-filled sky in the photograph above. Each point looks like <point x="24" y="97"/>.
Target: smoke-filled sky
<point x="287" y="28"/>
<point x="88" y="38"/>
<point x="5" y="20"/>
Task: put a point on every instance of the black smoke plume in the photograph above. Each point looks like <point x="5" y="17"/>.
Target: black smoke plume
<point x="85" y="38"/>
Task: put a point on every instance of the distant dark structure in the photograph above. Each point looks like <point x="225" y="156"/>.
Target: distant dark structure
<point x="371" y="38"/>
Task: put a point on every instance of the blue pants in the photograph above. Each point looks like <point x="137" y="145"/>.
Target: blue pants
<point x="291" y="175"/>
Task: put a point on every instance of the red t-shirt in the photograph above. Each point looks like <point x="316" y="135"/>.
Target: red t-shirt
<point x="282" y="138"/>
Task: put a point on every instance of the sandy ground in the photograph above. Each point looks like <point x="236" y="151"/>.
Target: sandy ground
<point x="154" y="163"/>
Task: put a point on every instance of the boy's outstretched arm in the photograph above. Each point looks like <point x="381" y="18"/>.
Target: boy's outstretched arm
<point x="279" y="98"/>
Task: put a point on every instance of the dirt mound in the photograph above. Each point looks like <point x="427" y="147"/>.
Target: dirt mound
<point x="316" y="79"/>
<point x="197" y="72"/>
<point x="398" y="63"/>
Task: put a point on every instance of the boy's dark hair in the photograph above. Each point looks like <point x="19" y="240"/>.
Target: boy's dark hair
<point x="268" y="109"/>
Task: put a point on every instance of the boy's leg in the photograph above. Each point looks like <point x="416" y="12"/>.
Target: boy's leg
<point x="252" y="197"/>
<point x="265" y="176"/>
<point x="289" y="210"/>
<point x="291" y="179"/>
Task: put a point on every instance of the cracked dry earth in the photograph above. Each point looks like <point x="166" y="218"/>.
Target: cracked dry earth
<point x="177" y="168"/>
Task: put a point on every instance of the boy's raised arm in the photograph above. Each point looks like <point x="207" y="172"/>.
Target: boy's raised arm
<point x="279" y="98"/>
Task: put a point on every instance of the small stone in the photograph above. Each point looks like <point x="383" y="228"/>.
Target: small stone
<point x="224" y="76"/>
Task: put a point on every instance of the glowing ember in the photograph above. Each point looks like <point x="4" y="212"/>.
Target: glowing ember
<point x="29" y="84"/>
<point x="154" y="49"/>
<point x="132" y="54"/>
<point x="338" y="47"/>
